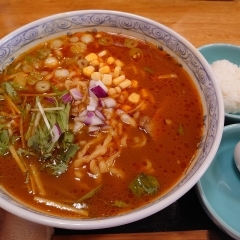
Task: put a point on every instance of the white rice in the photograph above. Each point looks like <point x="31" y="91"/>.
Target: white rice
<point x="228" y="76"/>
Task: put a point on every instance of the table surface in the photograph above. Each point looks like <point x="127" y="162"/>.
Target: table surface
<point x="201" y="22"/>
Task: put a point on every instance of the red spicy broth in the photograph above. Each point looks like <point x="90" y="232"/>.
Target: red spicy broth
<point x="96" y="124"/>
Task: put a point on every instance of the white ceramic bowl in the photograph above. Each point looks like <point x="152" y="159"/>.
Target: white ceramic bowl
<point x="184" y="52"/>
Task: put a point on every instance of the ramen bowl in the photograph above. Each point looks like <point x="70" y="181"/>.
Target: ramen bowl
<point x="223" y="51"/>
<point x="183" y="52"/>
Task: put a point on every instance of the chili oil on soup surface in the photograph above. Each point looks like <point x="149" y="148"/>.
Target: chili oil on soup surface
<point x="172" y="135"/>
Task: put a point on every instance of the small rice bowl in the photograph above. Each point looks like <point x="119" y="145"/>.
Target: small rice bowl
<point x="228" y="76"/>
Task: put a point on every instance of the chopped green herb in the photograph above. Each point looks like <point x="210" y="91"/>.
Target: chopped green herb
<point x="144" y="184"/>
<point x="52" y="118"/>
<point x="149" y="70"/>
<point x="71" y="151"/>
<point x="4" y="141"/>
<point x="40" y="141"/>
<point x="7" y="86"/>
<point x="23" y="152"/>
<point x="54" y="152"/>
<point x="2" y="126"/>
<point x="63" y="117"/>
<point x="90" y="194"/>
<point x="120" y="204"/>
<point x="61" y="155"/>
<point x="59" y="168"/>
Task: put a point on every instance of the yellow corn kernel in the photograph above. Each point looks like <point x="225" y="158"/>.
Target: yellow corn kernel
<point x="92" y="56"/>
<point x="104" y="69"/>
<point x="96" y="76"/>
<point x="144" y="93"/>
<point x="107" y="79"/>
<point x="117" y="71"/>
<point x="87" y="71"/>
<point x="110" y="60"/>
<point x="95" y="62"/>
<point x="134" y="83"/>
<point x="118" y="89"/>
<point x="134" y="98"/>
<point x="125" y="84"/>
<point x="112" y="91"/>
<point x="102" y="64"/>
<point x="118" y="63"/>
<point x="118" y="80"/>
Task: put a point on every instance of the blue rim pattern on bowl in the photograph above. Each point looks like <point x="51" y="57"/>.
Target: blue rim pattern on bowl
<point x="14" y="43"/>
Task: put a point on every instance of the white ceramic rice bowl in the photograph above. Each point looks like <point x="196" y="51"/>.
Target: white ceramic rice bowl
<point x="185" y="53"/>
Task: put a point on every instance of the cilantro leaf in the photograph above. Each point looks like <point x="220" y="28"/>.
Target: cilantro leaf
<point x="62" y="155"/>
<point x="24" y="152"/>
<point x="4" y="141"/>
<point x="58" y="168"/>
<point x="63" y="117"/>
<point x="144" y="184"/>
<point x="9" y="89"/>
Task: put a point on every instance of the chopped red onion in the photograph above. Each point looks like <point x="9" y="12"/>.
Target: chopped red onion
<point x="100" y="115"/>
<point x="92" y="83"/>
<point x="76" y="94"/>
<point x="102" y="85"/>
<point x="84" y="119"/>
<point x="99" y="91"/>
<point x="106" y="128"/>
<point x="96" y="121"/>
<point x="90" y="114"/>
<point x="77" y="126"/>
<point x="90" y="119"/>
<point x="50" y="99"/>
<point x="56" y="132"/>
<point x="66" y="98"/>
<point x="101" y="103"/>
<point x="83" y="113"/>
<point x="93" y="128"/>
<point x="93" y="103"/>
<point x="98" y="88"/>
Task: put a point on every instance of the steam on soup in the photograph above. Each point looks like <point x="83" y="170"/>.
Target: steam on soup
<point x="95" y="124"/>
